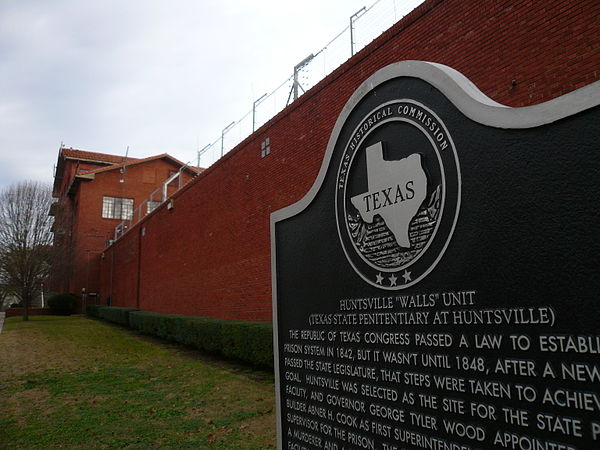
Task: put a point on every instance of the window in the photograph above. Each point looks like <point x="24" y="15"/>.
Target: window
<point x="265" y="147"/>
<point x="151" y="206"/>
<point x="117" y="208"/>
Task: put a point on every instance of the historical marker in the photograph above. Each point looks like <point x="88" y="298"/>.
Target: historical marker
<point x="438" y="286"/>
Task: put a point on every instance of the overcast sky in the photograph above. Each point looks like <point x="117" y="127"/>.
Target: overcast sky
<point x="157" y="76"/>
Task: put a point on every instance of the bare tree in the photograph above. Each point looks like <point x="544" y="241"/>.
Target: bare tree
<point x="4" y="292"/>
<point x="25" y="239"/>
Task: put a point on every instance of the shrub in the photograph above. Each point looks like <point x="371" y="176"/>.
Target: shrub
<point x="145" y="322"/>
<point x="93" y="310"/>
<point x="204" y="333"/>
<point x="251" y="342"/>
<point x="166" y="326"/>
<point x="115" y="314"/>
<point x="62" y="304"/>
<point x="248" y="341"/>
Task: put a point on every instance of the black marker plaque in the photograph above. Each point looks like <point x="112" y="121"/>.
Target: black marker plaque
<point x="438" y="286"/>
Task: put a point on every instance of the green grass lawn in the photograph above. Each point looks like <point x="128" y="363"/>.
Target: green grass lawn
<point x="72" y="382"/>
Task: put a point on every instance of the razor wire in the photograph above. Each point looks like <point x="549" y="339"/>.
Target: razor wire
<point x="367" y="26"/>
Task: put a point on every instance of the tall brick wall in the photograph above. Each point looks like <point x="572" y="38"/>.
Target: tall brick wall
<point x="91" y="231"/>
<point x="121" y="278"/>
<point x="210" y="254"/>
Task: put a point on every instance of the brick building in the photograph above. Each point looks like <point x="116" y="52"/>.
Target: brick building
<point x="218" y="262"/>
<point x="96" y="193"/>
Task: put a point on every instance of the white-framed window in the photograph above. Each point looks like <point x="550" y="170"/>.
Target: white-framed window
<point x="265" y="147"/>
<point x="151" y="205"/>
<point x="117" y="208"/>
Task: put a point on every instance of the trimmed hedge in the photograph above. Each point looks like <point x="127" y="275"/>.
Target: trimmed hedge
<point x="248" y="341"/>
<point x="205" y="334"/>
<point x="116" y="314"/>
<point x="93" y="310"/>
<point x="156" y="324"/>
<point x="251" y="342"/>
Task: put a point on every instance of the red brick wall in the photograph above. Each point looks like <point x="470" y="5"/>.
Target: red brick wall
<point x="120" y="278"/>
<point x="91" y="231"/>
<point x="13" y="312"/>
<point x="210" y="254"/>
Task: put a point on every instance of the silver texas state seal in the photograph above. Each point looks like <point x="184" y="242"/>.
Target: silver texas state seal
<point x="398" y="194"/>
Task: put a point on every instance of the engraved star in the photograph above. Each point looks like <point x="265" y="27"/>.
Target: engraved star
<point x="393" y="279"/>
<point x="379" y="279"/>
<point x="406" y="276"/>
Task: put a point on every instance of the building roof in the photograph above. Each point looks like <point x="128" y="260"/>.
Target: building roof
<point x="105" y="161"/>
<point x="131" y="162"/>
<point x="84" y="155"/>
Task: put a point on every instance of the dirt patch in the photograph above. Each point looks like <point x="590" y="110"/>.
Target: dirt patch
<point x="20" y="403"/>
<point x="23" y="354"/>
<point x="261" y="427"/>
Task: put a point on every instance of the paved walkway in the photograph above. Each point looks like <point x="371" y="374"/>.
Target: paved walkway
<point x="2" y="314"/>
